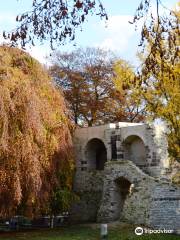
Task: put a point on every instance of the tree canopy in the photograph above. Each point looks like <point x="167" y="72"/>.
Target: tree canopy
<point x="35" y="140"/>
<point x="158" y="80"/>
<point x="89" y="82"/>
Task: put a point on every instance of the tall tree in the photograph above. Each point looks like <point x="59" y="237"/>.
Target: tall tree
<point x="35" y="140"/>
<point x="124" y="76"/>
<point x="87" y="78"/>
<point x="158" y="82"/>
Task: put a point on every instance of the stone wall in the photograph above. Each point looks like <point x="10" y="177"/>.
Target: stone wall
<point x="86" y="209"/>
<point x="150" y="201"/>
<point x="116" y="140"/>
<point x="88" y="185"/>
<point x="137" y="202"/>
<point x="165" y="207"/>
<point x="132" y="191"/>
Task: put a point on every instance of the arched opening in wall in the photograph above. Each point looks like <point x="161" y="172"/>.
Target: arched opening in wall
<point x="96" y="154"/>
<point x="134" y="150"/>
<point x="122" y="190"/>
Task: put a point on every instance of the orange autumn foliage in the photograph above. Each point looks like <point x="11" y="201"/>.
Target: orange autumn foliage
<point x="35" y="140"/>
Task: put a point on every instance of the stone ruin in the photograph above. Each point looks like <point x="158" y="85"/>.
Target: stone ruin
<point x="121" y="175"/>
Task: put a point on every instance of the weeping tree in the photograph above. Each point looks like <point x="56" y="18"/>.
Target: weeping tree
<point x="35" y="140"/>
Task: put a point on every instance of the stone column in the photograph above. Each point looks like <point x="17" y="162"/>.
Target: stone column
<point x="113" y="147"/>
<point x="119" y="148"/>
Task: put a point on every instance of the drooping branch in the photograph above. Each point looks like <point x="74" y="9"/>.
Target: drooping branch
<point x="57" y="20"/>
<point x="53" y="20"/>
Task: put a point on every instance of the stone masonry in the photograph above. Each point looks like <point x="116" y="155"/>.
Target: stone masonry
<point x="120" y="175"/>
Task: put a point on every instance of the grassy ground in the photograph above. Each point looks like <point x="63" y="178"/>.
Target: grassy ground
<point x="84" y="232"/>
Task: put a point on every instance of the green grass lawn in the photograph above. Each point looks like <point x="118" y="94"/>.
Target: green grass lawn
<point x="84" y="232"/>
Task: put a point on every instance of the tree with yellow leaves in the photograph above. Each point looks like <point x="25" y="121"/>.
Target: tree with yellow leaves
<point x="158" y="80"/>
<point x="124" y="76"/>
<point x="90" y="79"/>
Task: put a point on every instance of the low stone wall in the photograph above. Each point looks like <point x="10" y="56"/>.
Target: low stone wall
<point x="85" y="210"/>
<point x="150" y="202"/>
<point x="136" y="205"/>
<point x="165" y="207"/>
<point x="88" y="185"/>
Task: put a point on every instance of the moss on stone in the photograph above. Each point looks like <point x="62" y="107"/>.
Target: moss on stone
<point x="176" y="178"/>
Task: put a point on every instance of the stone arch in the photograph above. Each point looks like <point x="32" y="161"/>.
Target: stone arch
<point x="135" y="150"/>
<point x="121" y="191"/>
<point x="120" y="183"/>
<point x="96" y="154"/>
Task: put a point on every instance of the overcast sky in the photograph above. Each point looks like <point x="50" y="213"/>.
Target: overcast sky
<point x="117" y="34"/>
